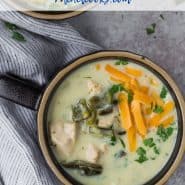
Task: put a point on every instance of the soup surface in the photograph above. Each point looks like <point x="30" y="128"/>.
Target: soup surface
<point x="112" y="122"/>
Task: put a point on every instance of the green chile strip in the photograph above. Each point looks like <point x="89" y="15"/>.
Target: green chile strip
<point x="86" y="168"/>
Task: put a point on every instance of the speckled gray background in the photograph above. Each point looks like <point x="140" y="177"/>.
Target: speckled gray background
<point x="126" y="31"/>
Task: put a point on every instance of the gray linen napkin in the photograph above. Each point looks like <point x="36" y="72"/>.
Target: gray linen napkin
<point x="48" y="47"/>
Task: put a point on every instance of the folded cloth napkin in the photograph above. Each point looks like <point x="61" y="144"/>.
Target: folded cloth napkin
<point x="49" y="46"/>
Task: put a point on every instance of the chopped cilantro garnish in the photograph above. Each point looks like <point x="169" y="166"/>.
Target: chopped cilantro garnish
<point x="141" y="151"/>
<point x="169" y="131"/>
<point x="141" y="159"/>
<point x="10" y="26"/>
<point x="123" y="61"/>
<point x="156" y="150"/>
<point x="161" y="132"/>
<point x="142" y="155"/>
<point x="150" y="30"/>
<point x="112" y="140"/>
<point x="158" y="109"/>
<point x="15" y="34"/>
<point x="149" y="142"/>
<point x="18" y="36"/>
<point x="163" y="92"/>
<point x="164" y="133"/>
<point x="116" y="88"/>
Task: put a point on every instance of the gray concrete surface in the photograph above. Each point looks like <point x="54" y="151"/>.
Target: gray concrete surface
<point x="126" y="31"/>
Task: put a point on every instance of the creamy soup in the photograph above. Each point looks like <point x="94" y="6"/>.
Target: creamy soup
<point x="112" y="122"/>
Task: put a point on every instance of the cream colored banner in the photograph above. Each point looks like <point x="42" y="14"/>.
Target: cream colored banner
<point x="95" y="5"/>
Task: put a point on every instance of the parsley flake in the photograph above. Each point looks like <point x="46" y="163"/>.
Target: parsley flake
<point x="149" y="142"/>
<point x="15" y="34"/>
<point x="158" y="109"/>
<point x="141" y="151"/>
<point x="169" y="131"/>
<point x="156" y="150"/>
<point x="151" y="29"/>
<point x="10" y="26"/>
<point x="123" y="61"/>
<point x="163" y="93"/>
<point x="142" y="155"/>
<point x="18" y="36"/>
<point x="141" y="159"/>
<point x="164" y="133"/>
<point x="116" y="88"/>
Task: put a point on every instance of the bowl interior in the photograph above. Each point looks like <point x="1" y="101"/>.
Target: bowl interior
<point x="178" y="143"/>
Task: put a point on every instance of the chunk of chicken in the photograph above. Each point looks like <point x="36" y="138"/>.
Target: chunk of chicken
<point x="70" y="131"/>
<point x="104" y="148"/>
<point x="106" y="121"/>
<point x="63" y="135"/>
<point x="94" y="88"/>
<point x="92" y="153"/>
